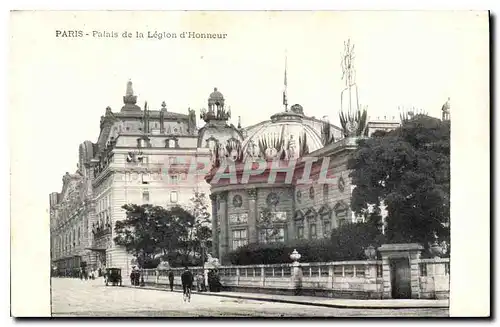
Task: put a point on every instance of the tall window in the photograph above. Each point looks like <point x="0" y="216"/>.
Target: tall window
<point x="300" y="232"/>
<point x="145" y="196"/>
<point x="239" y="238"/>
<point x="174" y="179"/>
<point x="271" y="235"/>
<point x="173" y="197"/>
<point x="327" y="228"/>
<point x="312" y="231"/>
<point x="325" y="191"/>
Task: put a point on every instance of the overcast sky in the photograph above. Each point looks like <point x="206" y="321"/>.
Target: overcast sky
<point x="61" y="87"/>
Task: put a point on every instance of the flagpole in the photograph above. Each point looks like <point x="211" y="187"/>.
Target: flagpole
<point x="285" y="95"/>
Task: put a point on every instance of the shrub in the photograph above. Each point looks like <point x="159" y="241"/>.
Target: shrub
<point x="346" y="243"/>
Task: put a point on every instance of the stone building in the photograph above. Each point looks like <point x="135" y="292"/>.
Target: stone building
<point x="259" y="208"/>
<point x="144" y="155"/>
<point x="141" y="156"/>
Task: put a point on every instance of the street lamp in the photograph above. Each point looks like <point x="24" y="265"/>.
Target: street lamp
<point x="205" y="275"/>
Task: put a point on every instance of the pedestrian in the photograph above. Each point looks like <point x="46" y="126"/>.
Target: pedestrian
<point x="171" y="280"/>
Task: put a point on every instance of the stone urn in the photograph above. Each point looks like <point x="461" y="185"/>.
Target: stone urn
<point x="295" y="256"/>
<point x="371" y="253"/>
<point x="436" y="250"/>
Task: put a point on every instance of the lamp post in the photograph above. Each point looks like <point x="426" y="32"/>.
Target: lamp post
<point x="205" y="275"/>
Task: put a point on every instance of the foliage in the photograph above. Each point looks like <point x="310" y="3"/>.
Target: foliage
<point x="408" y="171"/>
<point x="175" y="234"/>
<point x="348" y="242"/>
<point x="138" y="233"/>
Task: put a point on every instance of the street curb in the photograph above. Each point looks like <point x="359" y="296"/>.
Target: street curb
<point x="328" y="305"/>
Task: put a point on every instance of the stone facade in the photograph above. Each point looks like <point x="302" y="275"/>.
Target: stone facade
<point x="144" y="156"/>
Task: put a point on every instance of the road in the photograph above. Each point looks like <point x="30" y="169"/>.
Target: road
<point x="74" y="297"/>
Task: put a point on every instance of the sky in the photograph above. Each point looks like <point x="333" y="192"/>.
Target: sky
<point x="61" y="86"/>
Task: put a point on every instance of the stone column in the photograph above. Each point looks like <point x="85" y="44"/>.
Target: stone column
<point x="252" y="216"/>
<point x="215" y="236"/>
<point x="291" y="234"/>
<point x="224" y="230"/>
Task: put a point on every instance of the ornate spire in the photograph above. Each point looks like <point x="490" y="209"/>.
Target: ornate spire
<point x="129" y="97"/>
<point x="216" y="110"/>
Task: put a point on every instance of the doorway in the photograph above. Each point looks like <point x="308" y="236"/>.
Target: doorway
<point x="400" y="278"/>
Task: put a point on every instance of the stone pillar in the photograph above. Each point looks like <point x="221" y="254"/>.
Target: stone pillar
<point x="292" y="233"/>
<point x="215" y="235"/>
<point x="224" y="230"/>
<point x="296" y="273"/>
<point x="410" y="251"/>
<point x="252" y="216"/>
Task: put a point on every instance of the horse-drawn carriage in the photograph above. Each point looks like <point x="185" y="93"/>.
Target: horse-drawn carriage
<point x="113" y="276"/>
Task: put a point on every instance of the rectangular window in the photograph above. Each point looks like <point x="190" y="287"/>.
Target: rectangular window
<point x="174" y="179"/>
<point x="173" y="160"/>
<point x="239" y="238"/>
<point x="313" y="231"/>
<point x="300" y="232"/>
<point x="173" y="197"/>
<point x="145" y="196"/>
<point x="327" y="228"/>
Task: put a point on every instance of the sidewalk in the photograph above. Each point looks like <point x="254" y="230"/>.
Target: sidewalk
<point x="320" y="301"/>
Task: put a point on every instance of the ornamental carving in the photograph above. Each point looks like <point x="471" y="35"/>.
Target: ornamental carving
<point x="272" y="199"/>
<point x="298" y="215"/>
<point x="213" y="197"/>
<point x="238" y="218"/>
<point x="311" y="192"/>
<point x="299" y="196"/>
<point x="274" y="217"/>
<point x="311" y="214"/>
<point x="223" y="196"/>
<point x="252" y="193"/>
<point x="237" y="201"/>
<point x="341" y="184"/>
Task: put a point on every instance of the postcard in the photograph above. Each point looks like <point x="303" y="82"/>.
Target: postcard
<point x="249" y="163"/>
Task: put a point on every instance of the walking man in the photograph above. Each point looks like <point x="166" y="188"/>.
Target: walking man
<point x="187" y="284"/>
<point x="171" y="279"/>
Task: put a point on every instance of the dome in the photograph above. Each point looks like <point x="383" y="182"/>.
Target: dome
<point x="216" y="95"/>
<point x="286" y="128"/>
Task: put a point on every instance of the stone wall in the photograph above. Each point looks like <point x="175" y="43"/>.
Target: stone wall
<point x="343" y="279"/>
<point x="434" y="278"/>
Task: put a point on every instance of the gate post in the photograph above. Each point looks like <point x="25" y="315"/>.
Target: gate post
<point x="410" y="251"/>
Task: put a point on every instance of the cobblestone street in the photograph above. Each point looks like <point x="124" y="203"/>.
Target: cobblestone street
<point x="74" y="297"/>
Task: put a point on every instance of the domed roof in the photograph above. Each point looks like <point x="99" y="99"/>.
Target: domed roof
<point x="286" y="128"/>
<point x="216" y="95"/>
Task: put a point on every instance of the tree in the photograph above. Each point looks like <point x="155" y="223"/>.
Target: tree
<point x="138" y="232"/>
<point x="200" y="230"/>
<point x="408" y="171"/>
